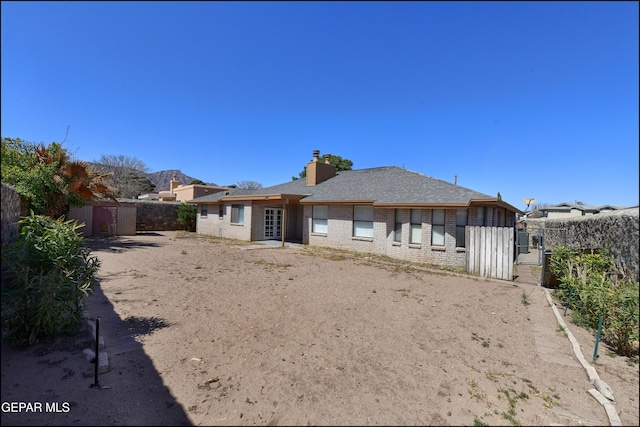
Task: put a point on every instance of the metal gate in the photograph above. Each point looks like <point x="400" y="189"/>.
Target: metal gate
<point x="533" y="243"/>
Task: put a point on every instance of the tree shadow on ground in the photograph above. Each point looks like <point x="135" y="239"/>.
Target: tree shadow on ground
<point x="118" y="244"/>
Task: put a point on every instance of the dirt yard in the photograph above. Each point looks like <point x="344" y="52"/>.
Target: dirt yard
<point x="205" y="331"/>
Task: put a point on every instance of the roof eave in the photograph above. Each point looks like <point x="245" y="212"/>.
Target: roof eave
<point x="254" y="197"/>
<point x="498" y="202"/>
<point x="337" y="202"/>
<point x="420" y="205"/>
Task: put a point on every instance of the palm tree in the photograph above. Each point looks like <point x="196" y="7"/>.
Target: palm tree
<point x="74" y="181"/>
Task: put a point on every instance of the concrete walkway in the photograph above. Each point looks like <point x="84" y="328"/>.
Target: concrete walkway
<point x="528" y="269"/>
<point x="554" y="341"/>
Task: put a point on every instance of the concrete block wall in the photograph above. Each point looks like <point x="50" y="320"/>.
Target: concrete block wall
<point x="619" y="228"/>
<point x="10" y="212"/>
<point x="127" y="216"/>
<point x="83" y="215"/>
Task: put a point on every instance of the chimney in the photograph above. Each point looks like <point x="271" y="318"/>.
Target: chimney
<point x="455" y="180"/>
<point x="173" y="184"/>
<point x="317" y="171"/>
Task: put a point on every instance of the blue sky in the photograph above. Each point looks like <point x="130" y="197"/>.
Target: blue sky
<point x="529" y="99"/>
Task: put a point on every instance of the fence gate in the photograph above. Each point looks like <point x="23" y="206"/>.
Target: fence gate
<point x="490" y="251"/>
<point x="529" y="243"/>
<point x="534" y="244"/>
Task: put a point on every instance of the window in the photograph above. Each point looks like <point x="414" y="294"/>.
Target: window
<point x="363" y="221"/>
<point x="319" y="223"/>
<point x="221" y="211"/>
<point x="237" y="214"/>
<point x="397" y="231"/>
<point x="416" y="226"/>
<point x="204" y="211"/>
<point x="437" y="228"/>
<point x="481" y="215"/>
<point x="461" y="222"/>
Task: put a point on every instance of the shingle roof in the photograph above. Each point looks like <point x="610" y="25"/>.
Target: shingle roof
<point x="568" y="206"/>
<point x="220" y="194"/>
<point x="381" y="185"/>
<point x="391" y="185"/>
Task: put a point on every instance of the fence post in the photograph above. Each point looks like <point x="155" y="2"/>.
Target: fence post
<point x="595" y="351"/>
<point x="96" y="359"/>
<point x="568" y="302"/>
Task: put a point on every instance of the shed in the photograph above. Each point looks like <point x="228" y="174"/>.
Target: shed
<point x="104" y="219"/>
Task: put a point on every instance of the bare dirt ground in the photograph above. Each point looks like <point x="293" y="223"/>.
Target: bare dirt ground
<point x="205" y="331"/>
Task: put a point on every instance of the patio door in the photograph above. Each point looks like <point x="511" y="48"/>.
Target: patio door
<point x="272" y="223"/>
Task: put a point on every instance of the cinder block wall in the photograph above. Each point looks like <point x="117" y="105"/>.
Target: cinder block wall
<point x="619" y="228"/>
<point x="127" y="216"/>
<point x="83" y="215"/>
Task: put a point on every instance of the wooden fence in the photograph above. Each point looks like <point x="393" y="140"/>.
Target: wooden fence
<point x="490" y="251"/>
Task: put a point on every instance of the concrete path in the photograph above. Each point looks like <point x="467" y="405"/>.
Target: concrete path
<point x="553" y="339"/>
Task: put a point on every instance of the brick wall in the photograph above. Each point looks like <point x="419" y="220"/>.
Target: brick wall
<point x="212" y="225"/>
<point x="340" y="236"/>
<point x="340" y="230"/>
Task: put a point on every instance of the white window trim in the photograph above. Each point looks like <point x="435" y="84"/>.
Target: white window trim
<point x="362" y="225"/>
<point x="319" y="219"/>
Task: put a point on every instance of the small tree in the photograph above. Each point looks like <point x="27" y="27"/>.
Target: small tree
<point x="187" y="216"/>
<point x="249" y="185"/>
<point x="127" y="174"/>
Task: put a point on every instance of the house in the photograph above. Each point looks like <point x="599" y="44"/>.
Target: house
<point x="567" y="210"/>
<point x="182" y="193"/>
<point x="385" y="210"/>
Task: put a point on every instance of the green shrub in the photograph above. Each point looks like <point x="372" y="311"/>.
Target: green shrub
<point x="622" y="328"/>
<point x="187" y="215"/>
<point x="595" y="290"/>
<point x="46" y="275"/>
<point x="560" y="261"/>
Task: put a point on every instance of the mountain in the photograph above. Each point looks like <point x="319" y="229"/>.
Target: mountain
<point x="162" y="179"/>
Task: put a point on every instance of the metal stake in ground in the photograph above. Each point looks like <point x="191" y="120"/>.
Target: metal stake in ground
<point x="96" y="358"/>
<point x="595" y="351"/>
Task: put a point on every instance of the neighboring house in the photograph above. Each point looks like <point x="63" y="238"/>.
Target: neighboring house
<point x="182" y="193"/>
<point x="567" y="210"/>
<point x="386" y="210"/>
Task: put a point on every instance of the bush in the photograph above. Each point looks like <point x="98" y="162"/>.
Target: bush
<point x="596" y="292"/>
<point x="46" y="275"/>
<point x="187" y="216"/>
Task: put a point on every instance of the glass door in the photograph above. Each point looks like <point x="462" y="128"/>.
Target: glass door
<point x="272" y="223"/>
